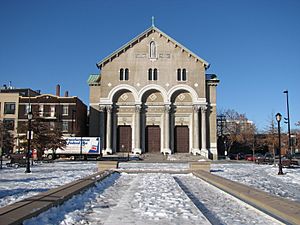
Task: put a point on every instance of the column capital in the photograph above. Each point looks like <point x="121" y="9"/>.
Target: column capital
<point x="108" y="108"/>
<point x="167" y="108"/>
<point x="203" y="109"/>
<point x="138" y="108"/>
<point x="101" y="108"/>
<point x="196" y="108"/>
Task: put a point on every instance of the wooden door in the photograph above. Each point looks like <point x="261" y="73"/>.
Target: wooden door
<point x="124" y="138"/>
<point x="152" y="139"/>
<point x="181" y="139"/>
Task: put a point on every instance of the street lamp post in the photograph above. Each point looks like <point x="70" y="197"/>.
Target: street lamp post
<point x="288" y="119"/>
<point x="28" y="143"/>
<point x="278" y="118"/>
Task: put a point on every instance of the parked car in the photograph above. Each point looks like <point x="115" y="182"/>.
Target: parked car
<point x="268" y="158"/>
<point x="232" y="156"/>
<point x="253" y="157"/>
<point x="17" y="160"/>
<point x="240" y="156"/>
<point x="287" y="162"/>
<point x="296" y="155"/>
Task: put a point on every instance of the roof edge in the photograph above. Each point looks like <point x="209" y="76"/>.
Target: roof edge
<point x="100" y="63"/>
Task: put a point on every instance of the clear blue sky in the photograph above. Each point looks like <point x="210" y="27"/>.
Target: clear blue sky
<point x="252" y="45"/>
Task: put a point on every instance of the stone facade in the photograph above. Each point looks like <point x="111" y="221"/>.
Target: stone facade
<point x="153" y="95"/>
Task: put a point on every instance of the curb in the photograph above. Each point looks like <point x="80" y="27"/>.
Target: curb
<point x="16" y="213"/>
<point x="284" y="210"/>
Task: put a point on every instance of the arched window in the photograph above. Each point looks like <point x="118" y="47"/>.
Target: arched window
<point x="184" y="74"/>
<point x="155" y="74"/>
<point x="150" y="74"/>
<point x="121" y="74"/>
<point x="153" y="51"/>
<point x="179" y="74"/>
<point x="126" y="74"/>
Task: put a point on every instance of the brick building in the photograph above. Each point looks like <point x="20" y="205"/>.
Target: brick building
<point x="68" y="113"/>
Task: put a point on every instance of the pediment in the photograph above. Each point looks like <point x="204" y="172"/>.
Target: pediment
<point x="144" y="35"/>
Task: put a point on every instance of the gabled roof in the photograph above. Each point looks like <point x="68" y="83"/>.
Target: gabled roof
<point x="137" y="39"/>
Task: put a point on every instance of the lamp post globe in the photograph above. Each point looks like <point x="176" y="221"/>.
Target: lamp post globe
<point x="278" y="119"/>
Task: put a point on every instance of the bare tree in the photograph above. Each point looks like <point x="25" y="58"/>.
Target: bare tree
<point x="6" y="140"/>
<point x="271" y="132"/>
<point x="238" y="129"/>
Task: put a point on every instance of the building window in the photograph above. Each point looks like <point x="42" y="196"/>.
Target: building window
<point x="65" y="126"/>
<point x="65" y="110"/>
<point x="155" y="74"/>
<point x="181" y="74"/>
<point x="153" y="52"/>
<point x="9" y="124"/>
<point x="41" y="110"/>
<point x="152" y="74"/>
<point x="28" y="108"/>
<point x="121" y="73"/>
<point x="9" y="108"/>
<point x="124" y="74"/>
<point x="52" y="111"/>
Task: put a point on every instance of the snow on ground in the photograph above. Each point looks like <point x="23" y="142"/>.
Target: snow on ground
<point x="16" y="185"/>
<point x="150" y="198"/>
<point x="263" y="177"/>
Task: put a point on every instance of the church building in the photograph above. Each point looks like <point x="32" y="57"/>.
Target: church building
<point x="153" y="95"/>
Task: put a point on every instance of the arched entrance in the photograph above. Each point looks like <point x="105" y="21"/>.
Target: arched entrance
<point x="152" y="121"/>
<point x="181" y="121"/>
<point x="123" y="121"/>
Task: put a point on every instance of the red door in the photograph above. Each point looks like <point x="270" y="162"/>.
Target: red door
<point x="181" y="139"/>
<point x="124" y="138"/>
<point x="152" y="139"/>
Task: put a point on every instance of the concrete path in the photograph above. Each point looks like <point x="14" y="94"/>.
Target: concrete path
<point x="282" y="209"/>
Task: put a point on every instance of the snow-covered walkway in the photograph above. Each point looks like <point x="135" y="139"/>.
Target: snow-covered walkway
<point x="152" y="198"/>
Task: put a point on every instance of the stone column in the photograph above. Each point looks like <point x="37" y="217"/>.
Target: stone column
<point x="137" y="135"/>
<point x="102" y="128"/>
<point x="196" y="149"/>
<point x="203" y="131"/>
<point x="167" y="130"/>
<point x="108" y="129"/>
